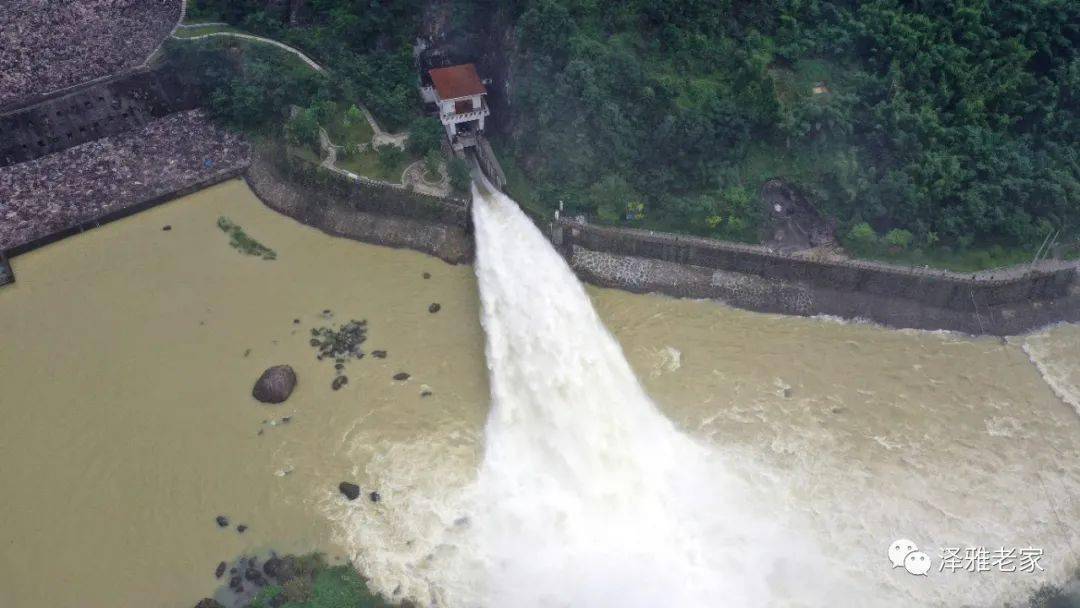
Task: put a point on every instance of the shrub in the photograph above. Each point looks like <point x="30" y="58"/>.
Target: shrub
<point x="862" y="238"/>
<point x="390" y="156"/>
<point x="899" y="238"/>
<point x="610" y="197"/>
<point x="432" y="160"/>
<point x="349" y="151"/>
<point x="325" y="109"/>
<point x="459" y="175"/>
<point x="303" y="129"/>
<point x="354" y="116"/>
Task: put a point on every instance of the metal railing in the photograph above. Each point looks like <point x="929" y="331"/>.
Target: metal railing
<point x="463" y="116"/>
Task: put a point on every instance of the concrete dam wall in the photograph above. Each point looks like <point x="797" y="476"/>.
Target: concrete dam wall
<point x="116" y="105"/>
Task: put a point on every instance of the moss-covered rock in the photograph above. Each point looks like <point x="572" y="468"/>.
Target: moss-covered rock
<point x="308" y="582"/>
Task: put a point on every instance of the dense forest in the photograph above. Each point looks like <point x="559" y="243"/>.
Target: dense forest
<point x="948" y="123"/>
<point x="928" y="126"/>
<point x="366" y="45"/>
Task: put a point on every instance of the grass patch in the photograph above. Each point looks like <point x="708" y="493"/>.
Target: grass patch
<point x="367" y="163"/>
<point x="799" y="80"/>
<point x="331" y="587"/>
<point x="357" y="132"/>
<point x="766" y="160"/>
<point x="305" y="153"/>
<point x="240" y="241"/>
<point x="971" y="260"/>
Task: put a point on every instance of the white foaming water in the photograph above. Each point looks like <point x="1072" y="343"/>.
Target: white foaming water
<point x="587" y="495"/>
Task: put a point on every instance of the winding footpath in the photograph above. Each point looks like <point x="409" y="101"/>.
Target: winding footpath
<point x="411" y="178"/>
<point x="380" y="138"/>
<point x="281" y="45"/>
<point x="413" y="175"/>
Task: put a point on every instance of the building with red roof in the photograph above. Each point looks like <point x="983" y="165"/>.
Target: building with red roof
<point x="460" y="96"/>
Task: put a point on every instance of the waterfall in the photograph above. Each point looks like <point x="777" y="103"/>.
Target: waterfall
<point x="587" y="495"/>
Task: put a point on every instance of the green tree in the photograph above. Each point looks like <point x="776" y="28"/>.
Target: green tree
<point x="325" y="109"/>
<point x="390" y="157"/>
<point x="425" y="134"/>
<point x="432" y="161"/>
<point x="302" y="130"/>
<point x="459" y="175"/>
<point x="354" y="116"/>
<point x="611" y="196"/>
<point x="547" y="26"/>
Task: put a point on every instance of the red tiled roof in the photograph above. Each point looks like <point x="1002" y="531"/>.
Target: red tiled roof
<point x="457" y="81"/>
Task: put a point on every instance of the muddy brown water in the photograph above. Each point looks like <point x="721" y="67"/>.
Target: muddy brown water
<point x="128" y="353"/>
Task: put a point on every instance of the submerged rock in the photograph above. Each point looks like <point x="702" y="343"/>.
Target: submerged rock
<point x="208" y="603"/>
<point x="434" y="308"/>
<point x="374" y="496"/>
<point x="281" y="569"/>
<point x="401" y="376"/>
<point x="275" y="384"/>
<point x="340" y="344"/>
<point x="378" y="354"/>
<point x="350" y="490"/>
<point x="427" y="275"/>
<point x="222" y="521"/>
<point x="339" y="382"/>
<point x="273" y="566"/>
<point x="220" y="570"/>
<point x="166" y="227"/>
<point x="241" y="528"/>
<point x="253" y="575"/>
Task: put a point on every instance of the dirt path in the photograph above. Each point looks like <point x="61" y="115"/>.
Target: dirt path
<point x="308" y="60"/>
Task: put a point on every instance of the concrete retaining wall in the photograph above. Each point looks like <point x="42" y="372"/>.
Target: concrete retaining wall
<point x="7" y="275"/>
<point x="1005" y="302"/>
<point x="1000" y="303"/>
<point x="361" y="210"/>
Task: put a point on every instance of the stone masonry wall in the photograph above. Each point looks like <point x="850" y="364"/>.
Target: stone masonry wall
<point x="1002" y="302"/>
<point x="359" y="210"/>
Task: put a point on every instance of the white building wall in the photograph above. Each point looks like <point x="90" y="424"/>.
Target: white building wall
<point x="450" y="118"/>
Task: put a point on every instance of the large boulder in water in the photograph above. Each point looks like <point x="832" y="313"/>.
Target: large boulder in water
<point x="275" y="384"/>
<point x="208" y="603"/>
<point x="350" y="490"/>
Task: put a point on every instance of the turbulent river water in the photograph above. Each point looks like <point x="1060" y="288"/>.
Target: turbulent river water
<point x="775" y="462"/>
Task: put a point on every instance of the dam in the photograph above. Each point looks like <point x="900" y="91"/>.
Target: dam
<point x="266" y="346"/>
